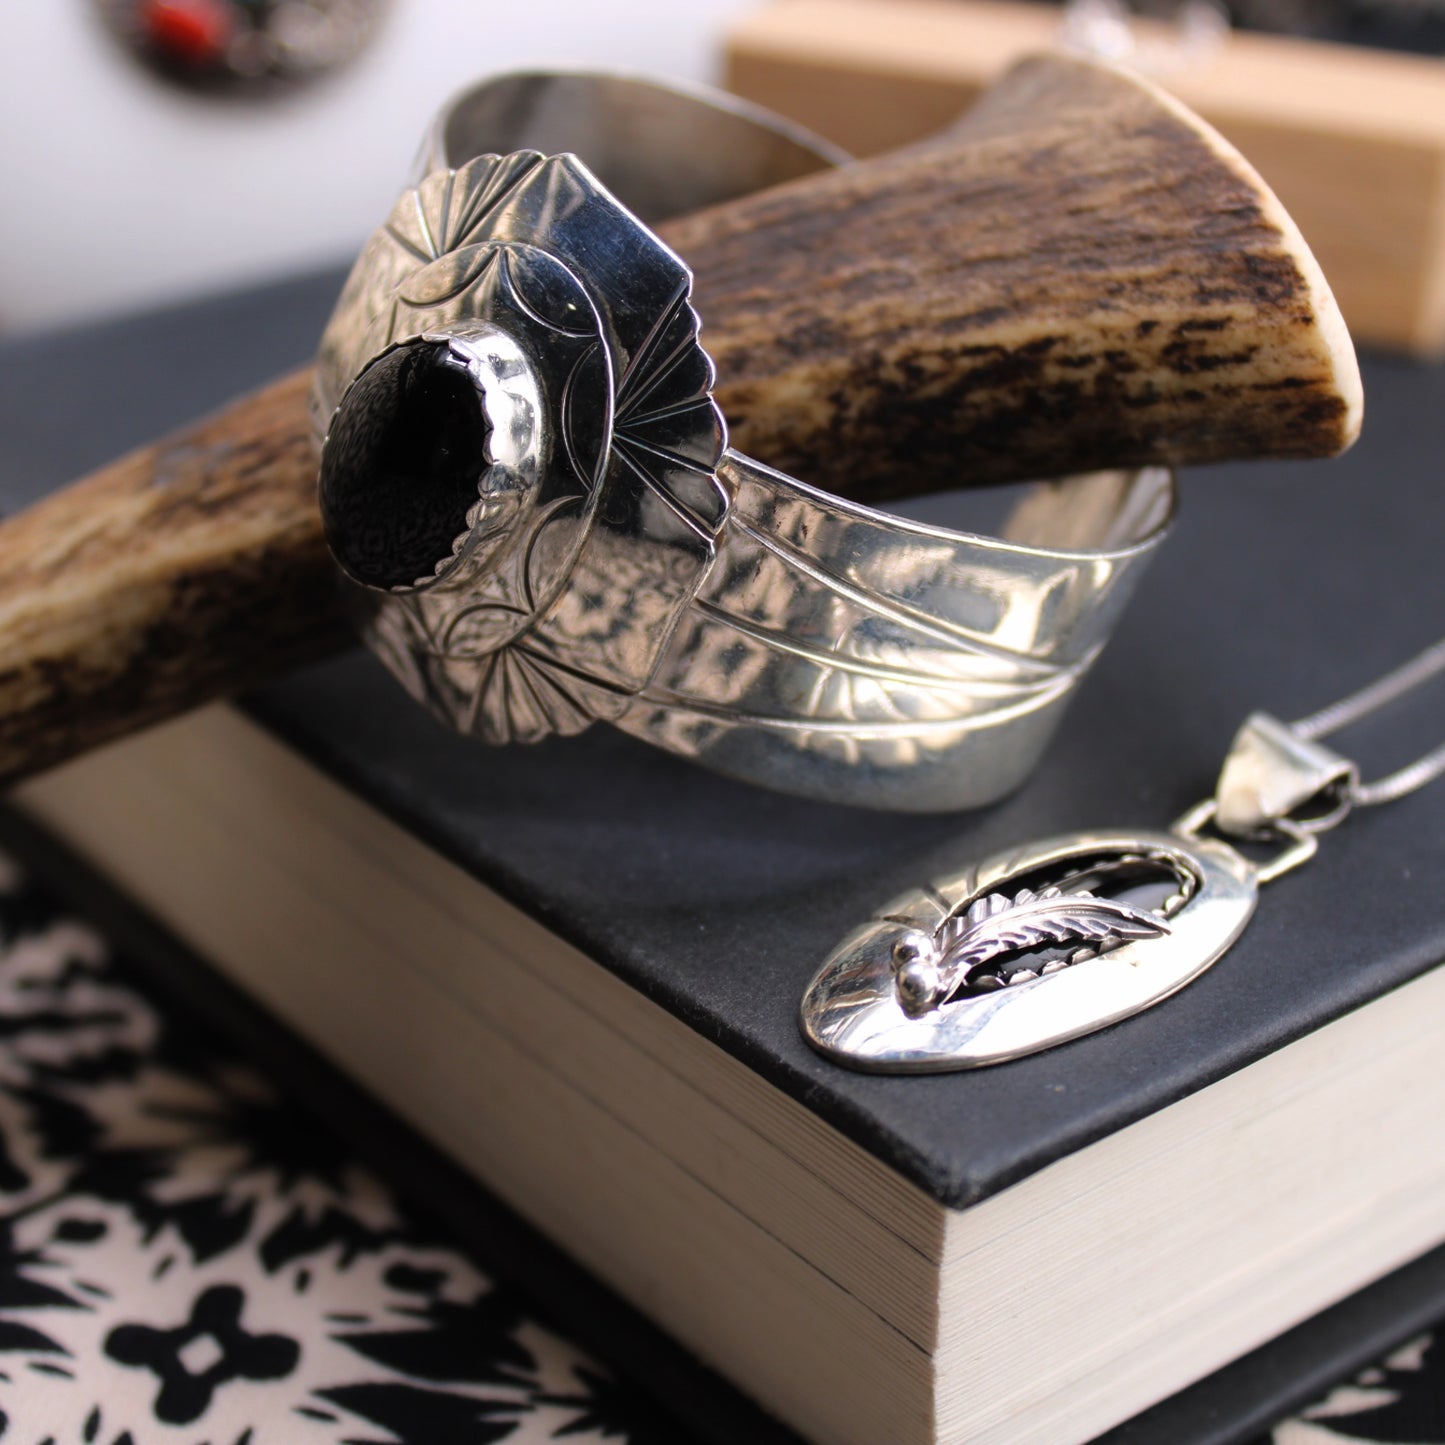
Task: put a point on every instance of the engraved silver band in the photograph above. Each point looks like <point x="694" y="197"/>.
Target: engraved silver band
<point x="664" y="147"/>
<point x="612" y="558"/>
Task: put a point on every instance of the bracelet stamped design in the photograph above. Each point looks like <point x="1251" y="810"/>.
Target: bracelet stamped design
<point x="524" y="470"/>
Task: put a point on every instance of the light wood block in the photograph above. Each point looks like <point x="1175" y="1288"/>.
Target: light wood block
<point x="1351" y="140"/>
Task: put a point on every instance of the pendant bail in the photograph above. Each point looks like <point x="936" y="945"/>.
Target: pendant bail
<point x="1272" y="772"/>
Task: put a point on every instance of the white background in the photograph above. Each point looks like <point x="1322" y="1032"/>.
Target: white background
<point x="117" y="190"/>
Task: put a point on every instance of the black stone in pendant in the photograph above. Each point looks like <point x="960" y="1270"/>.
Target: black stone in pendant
<point x="400" y="469"/>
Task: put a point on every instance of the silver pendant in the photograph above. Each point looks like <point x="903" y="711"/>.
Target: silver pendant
<point x="1027" y="949"/>
<point x="1041" y="944"/>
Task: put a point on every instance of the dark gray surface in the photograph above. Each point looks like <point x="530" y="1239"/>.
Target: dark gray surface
<point x="72" y="400"/>
<point x="1284" y="586"/>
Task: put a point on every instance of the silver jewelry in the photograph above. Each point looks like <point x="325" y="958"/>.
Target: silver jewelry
<point x="239" y="45"/>
<point x="1047" y="942"/>
<point x="525" y="470"/>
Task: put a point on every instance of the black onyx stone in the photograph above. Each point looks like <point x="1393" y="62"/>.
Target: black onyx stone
<point x="399" y="473"/>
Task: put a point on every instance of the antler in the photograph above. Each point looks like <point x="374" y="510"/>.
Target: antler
<point x="1080" y="274"/>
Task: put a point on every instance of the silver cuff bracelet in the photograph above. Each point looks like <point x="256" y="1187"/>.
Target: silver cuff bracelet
<point x="525" y="470"/>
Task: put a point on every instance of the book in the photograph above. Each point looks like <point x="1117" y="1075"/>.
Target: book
<point x="576" y="968"/>
<point x="1386" y="1336"/>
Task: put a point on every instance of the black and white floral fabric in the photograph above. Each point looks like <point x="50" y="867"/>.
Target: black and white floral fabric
<point x="1400" y="1401"/>
<point x="187" y="1259"/>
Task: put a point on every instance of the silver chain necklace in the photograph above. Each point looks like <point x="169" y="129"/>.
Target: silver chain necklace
<point x="1359" y="705"/>
<point x="1055" y="939"/>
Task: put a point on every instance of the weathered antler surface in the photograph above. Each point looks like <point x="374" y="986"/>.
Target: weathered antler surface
<point x="1081" y="274"/>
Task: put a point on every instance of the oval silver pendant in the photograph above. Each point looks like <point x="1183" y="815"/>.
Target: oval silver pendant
<point x="1027" y="949"/>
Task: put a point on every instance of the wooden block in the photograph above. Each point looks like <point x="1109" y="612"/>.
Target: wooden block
<point x="1352" y="140"/>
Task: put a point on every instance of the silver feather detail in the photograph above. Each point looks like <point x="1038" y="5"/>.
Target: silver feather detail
<point x="996" y="926"/>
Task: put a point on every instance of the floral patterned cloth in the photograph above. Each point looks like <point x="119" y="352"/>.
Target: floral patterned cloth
<point x="187" y="1259"/>
<point x="1401" y="1400"/>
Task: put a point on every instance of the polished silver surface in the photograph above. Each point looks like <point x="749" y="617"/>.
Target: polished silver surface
<point x="1272" y="772"/>
<point x="1026" y="950"/>
<point x="618" y="561"/>
<point x="665" y="147"/>
<point x="842" y="653"/>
